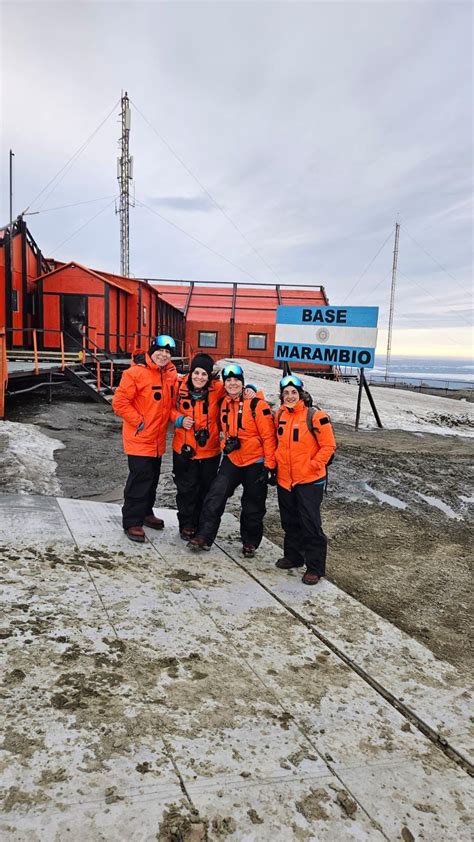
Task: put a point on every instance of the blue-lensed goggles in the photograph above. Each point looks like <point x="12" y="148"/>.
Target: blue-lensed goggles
<point x="291" y="380"/>
<point x="164" y="341"/>
<point x="232" y="370"/>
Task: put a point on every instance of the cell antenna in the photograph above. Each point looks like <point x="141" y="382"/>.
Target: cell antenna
<point x="392" y="299"/>
<point x="124" y="178"/>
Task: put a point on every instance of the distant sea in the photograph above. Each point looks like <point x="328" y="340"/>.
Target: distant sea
<point x="432" y="370"/>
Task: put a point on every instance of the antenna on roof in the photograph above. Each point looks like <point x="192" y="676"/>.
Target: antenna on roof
<point x="124" y="178"/>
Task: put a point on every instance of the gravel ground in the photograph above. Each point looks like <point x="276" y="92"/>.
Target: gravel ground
<point x="408" y="558"/>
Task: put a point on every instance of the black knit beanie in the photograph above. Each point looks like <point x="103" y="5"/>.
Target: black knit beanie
<point x="202" y="361"/>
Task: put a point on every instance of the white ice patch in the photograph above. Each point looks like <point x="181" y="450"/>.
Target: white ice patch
<point x="439" y="504"/>
<point x="399" y="409"/>
<point x="27" y="464"/>
<point x="386" y="498"/>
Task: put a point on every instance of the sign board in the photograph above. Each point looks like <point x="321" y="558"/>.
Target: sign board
<point x="326" y="335"/>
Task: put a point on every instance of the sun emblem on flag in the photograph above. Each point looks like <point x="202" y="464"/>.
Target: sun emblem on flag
<point x="322" y="334"/>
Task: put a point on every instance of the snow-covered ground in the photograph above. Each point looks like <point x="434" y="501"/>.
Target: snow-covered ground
<point x="398" y="409"/>
<point x="27" y="462"/>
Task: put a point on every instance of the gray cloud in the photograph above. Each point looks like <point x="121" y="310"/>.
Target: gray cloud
<point x="312" y="124"/>
<point x="185" y="203"/>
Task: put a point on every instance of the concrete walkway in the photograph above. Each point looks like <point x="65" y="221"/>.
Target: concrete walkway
<point x="154" y="694"/>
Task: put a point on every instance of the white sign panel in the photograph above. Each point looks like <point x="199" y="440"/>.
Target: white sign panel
<point x="326" y="335"/>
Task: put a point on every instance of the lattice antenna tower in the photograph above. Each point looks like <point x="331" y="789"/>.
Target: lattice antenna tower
<point x="124" y="178"/>
<point x="392" y="299"/>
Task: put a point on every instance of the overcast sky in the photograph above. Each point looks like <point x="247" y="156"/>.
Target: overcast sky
<point x="313" y="125"/>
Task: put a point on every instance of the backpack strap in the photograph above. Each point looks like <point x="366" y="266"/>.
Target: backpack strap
<point x="253" y="406"/>
<point x="309" y="420"/>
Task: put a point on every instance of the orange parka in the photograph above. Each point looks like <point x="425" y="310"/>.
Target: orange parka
<point x="251" y="421"/>
<point x="205" y="413"/>
<point x="146" y="394"/>
<point x="301" y="456"/>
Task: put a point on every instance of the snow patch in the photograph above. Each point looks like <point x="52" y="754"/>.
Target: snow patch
<point x="399" y="409"/>
<point x="439" y="504"/>
<point x="27" y="464"/>
<point x="386" y="498"/>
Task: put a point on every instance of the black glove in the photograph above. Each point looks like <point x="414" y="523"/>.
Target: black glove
<point x="272" y="476"/>
<point x="262" y="478"/>
<point x="267" y="476"/>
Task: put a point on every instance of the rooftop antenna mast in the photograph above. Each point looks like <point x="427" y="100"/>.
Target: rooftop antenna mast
<point x="124" y="178"/>
<point x="392" y="299"/>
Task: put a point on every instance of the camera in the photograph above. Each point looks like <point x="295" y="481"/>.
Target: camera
<point x="187" y="452"/>
<point x="201" y="436"/>
<point x="232" y="443"/>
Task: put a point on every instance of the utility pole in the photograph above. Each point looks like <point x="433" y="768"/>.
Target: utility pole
<point x="124" y="178"/>
<point x="12" y="155"/>
<point x="392" y="298"/>
<point x="9" y="264"/>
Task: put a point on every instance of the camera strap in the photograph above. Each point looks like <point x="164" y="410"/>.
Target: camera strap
<point x="239" y="418"/>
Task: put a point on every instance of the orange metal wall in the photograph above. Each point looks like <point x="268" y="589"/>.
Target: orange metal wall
<point x="210" y="309"/>
<point x="113" y="343"/>
<point x="51" y="321"/>
<point x="2" y="287"/>
<point x="17" y="284"/>
<point x="75" y="281"/>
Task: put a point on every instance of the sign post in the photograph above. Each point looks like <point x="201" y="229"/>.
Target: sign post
<point x="329" y="336"/>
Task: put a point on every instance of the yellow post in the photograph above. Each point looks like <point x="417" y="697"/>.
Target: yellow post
<point x="3" y="370"/>
<point x="61" y="340"/>
<point x="35" y="351"/>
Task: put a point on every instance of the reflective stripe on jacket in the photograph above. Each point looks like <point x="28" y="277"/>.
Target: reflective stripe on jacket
<point x="205" y="413"/>
<point x="146" y="394"/>
<point x="301" y="456"/>
<point x="256" y="435"/>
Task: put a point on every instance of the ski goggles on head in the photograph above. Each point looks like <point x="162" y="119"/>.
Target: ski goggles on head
<point x="164" y="341"/>
<point x="291" y="380"/>
<point x="232" y="370"/>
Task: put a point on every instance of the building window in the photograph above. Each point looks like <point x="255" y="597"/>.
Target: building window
<point x="15" y="307"/>
<point x="207" y="339"/>
<point x="144" y="316"/>
<point x="257" y="341"/>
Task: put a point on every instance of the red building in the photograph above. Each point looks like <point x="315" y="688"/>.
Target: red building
<point x="67" y="303"/>
<point x="116" y="314"/>
<point x="21" y="262"/>
<point x="235" y="321"/>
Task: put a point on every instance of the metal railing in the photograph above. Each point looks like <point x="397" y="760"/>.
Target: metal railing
<point x="421" y="384"/>
<point x="87" y="354"/>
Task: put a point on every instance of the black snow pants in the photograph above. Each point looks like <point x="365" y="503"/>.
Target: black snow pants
<point x="193" y="478"/>
<point x="254" y="495"/>
<point x="300" y="517"/>
<point x="140" y="489"/>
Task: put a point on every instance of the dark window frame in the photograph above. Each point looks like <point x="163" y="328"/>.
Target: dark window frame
<point x="214" y="333"/>
<point x="249" y="348"/>
<point x="15" y="301"/>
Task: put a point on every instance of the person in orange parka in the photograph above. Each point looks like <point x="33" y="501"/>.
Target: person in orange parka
<point x="249" y="460"/>
<point x="302" y="457"/>
<point x="144" y="399"/>
<point x="196" y="442"/>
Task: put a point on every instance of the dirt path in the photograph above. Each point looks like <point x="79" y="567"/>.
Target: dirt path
<point x="406" y="558"/>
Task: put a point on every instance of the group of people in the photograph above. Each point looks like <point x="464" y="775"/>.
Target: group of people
<point x="225" y="436"/>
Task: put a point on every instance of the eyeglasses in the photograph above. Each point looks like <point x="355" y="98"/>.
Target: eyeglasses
<point x="232" y="370"/>
<point x="291" y="380"/>
<point x="165" y="341"/>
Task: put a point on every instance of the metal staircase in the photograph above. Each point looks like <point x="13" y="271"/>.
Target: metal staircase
<point x="88" y="377"/>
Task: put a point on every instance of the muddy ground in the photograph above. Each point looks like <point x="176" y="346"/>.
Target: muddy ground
<point x="411" y="565"/>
